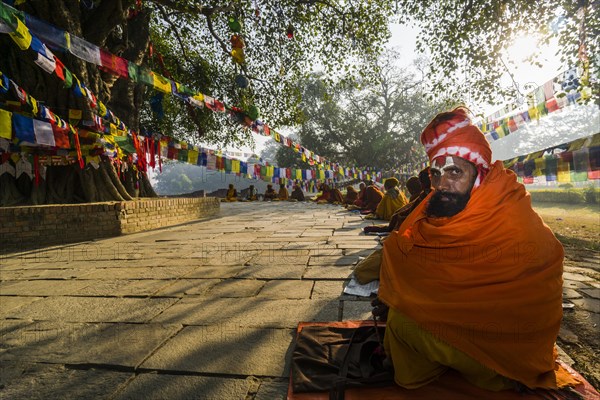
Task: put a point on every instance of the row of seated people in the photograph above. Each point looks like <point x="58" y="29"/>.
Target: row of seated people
<point x="370" y="200"/>
<point x="269" y="195"/>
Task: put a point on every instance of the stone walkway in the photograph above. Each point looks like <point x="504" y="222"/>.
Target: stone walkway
<point x="204" y="310"/>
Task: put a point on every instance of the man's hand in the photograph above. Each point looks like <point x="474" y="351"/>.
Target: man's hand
<point x="380" y="309"/>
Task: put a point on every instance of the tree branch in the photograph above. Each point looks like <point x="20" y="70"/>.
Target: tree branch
<point x="223" y="45"/>
<point x="176" y="32"/>
<point x="186" y="8"/>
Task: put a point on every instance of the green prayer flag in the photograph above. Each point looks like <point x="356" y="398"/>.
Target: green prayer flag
<point x="182" y="155"/>
<point x="6" y="15"/>
<point x="68" y="78"/>
<point x="125" y="143"/>
<point x="146" y="76"/>
<point x="133" y="71"/>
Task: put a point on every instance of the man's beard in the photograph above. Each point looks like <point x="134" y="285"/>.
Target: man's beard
<point x="455" y="203"/>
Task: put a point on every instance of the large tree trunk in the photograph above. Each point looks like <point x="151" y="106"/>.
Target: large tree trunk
<point x="107" y="26"/>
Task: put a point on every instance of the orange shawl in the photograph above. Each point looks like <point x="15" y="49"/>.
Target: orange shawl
<point x="488" y="280"/>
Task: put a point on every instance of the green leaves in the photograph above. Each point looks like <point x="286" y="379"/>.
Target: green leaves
<point x="373" y="122"/>
<point x="469" y="37"/>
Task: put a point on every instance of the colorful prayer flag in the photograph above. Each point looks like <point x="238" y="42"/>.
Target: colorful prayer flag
<point x="5" y="124"/>
<point x="43" y="133"/>
<point x="117" y="65"/>
<point x="192" y="157"/>
<point x="85" y="50"/>
<point x="21" y="35"/>
<point x="23" y="129"/>
<point x="161" y="83"/>
<point x="564" y="173"/>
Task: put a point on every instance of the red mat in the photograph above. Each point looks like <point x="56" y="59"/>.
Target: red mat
<point x="451" y="385"/>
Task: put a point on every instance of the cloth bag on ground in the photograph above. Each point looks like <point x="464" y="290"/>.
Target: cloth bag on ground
<point x="331" y="359"/>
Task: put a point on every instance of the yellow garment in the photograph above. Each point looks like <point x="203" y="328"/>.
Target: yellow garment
<point x="367" y="270"/>
<point x="419" y="358"/>
<point x="231" y="195"/>
<point x="390" y="204"/>
<point x="283" y="194"/>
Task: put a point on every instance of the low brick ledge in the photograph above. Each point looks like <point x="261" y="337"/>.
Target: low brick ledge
<point x="32" y="226"/>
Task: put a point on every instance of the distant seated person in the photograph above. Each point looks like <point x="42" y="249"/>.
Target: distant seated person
<point x="367" y="269"/>
<point x="270" y="194"/>
<point x="297" y="193"/>
<point x="351" y="195"/>
<point x="413" y="185"/>
<point x="400" y="215"/>
<point x="231" y="194"/>
<point x="371" y="199"/>
<point x="252" y="194"/>
<point x="361" y="195"/>
<point x="283" y="193"/>
<point x="329" y="195"/>
<point x="392" y="200"/>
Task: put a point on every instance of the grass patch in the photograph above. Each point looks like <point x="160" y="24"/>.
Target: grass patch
<point x="576" y="225"/>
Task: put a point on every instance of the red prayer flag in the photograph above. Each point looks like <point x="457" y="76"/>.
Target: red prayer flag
<point x="61" y="136"/>
<point x="59" y="69"/>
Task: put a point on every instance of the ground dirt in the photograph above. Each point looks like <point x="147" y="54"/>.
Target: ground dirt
<point x="578" y="228"/>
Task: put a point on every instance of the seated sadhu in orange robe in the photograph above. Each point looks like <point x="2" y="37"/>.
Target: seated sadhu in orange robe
<point x="361" y="195"/>
<point x="351" y="195"/>
<point x="413" y="185"/>
<point x="283" y="192"/>
<point x="231" y="193"/>
<point x="392" y="200"/>
<point x="473" y="277"/>
<point x="297" y="193"/>
<point x="329" y="195"/>
<point x="270" y="193"/>
<point x="371" y="198"/>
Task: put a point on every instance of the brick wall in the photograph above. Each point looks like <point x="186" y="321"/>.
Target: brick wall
<point x="30" y="226"/>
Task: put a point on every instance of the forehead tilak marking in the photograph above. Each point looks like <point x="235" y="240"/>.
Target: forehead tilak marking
<point x="437" y="164"/>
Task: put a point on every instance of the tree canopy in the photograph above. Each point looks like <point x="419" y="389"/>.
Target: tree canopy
<point x="284" y="41"/>
<point x="465" y="40"/>
<point x="374" y="124"/>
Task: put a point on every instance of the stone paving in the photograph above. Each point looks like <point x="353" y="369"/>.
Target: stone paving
<point x="203" y="310"/>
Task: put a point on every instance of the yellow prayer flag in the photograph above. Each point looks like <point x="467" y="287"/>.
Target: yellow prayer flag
<point x="161" y="83"/>
<point x="192" y="157"/>
<point x="21" y="35"/>
<point x="101" y="109"/>
<point x="5" y="124"/>
<point x="563" y="175"/>
<point x="235" y="166"/>
<point x="540" y="164"/>
<point x="34" y="106"/>
<point x="75" y="114"/>
<point x="500" y="132"/>
<point x="533" y="113"/>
